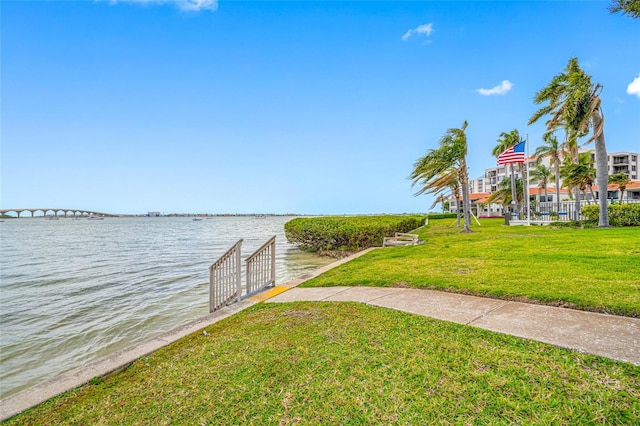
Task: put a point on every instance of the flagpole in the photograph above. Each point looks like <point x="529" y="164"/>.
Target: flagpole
<point x="527" y="183"/>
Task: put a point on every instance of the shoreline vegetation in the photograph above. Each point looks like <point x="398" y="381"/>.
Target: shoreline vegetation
<point x="341" y="236"/>
<point x="329" y="363"/>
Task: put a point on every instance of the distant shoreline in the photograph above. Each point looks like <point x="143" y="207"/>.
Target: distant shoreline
<point x="112" y="216"/>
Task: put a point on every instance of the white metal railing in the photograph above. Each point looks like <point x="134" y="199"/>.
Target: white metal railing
<point x="225" y="275"/>
<point x="225" y="278"/>
<point x="261" y="267"/>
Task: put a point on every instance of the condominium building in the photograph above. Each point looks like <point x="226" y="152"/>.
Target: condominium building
<point x="624" y="162"/>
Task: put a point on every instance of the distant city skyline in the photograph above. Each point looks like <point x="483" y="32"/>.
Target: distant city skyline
<point x="222" y="107"/>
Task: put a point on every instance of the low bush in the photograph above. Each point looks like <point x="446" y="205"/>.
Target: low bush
<point x="349" y="233"/>
<point x="619" y="214"/>
<point x="442" y="215"/>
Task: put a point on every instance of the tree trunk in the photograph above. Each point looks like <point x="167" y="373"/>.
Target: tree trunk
<point x="557" y="170"/>
<point x="466" y="201"/>
<point x="457" y="208"/>
<point x="576" y="213"/>
<point x="602" y="174"/>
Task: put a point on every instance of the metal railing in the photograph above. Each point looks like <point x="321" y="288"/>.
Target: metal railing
<point x="548" y="211"/>
<point x="225" y="275"/>
<point x="261" y="267"/>
<point x="225" y="278"/>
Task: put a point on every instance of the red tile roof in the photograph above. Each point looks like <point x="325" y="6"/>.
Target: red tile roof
<point x="550" y="190"/>
<point x="634" y="184"/>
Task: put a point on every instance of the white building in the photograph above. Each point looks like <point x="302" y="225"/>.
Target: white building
<point x="624" y="162"/>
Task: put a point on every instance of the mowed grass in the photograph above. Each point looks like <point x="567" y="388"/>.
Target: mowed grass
<point x="348" y="363"/>
<point x="590" y="269"/>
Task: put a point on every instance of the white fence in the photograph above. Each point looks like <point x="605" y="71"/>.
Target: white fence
<point x="261" y="267"/>
<point x="552" y="212"/>
<point x="225" y="278"/>
<point x="225" y="275"/>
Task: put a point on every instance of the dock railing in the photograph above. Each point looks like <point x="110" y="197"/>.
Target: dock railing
<point x="225" y="275"/>
<point x="225" y="278"/>
<point x="261" y="267"/>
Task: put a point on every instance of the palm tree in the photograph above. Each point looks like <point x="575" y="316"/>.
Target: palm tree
<point x="628" y="7"/>
<point x="542" y="175"/>
<point x="553" y="149"/>
<point x="581" y="175"/>
<point x="573" y="103"/>
<point x="505" y="192"/>
<point x="506" y="141"/>
<point x="438" y="185"/>
<point x="620" y="179"/>
<point x="440" y="199"/>
<point x="450" y="156"/>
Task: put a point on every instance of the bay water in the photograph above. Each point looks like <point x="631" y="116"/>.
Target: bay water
<point x="72" y="291"/>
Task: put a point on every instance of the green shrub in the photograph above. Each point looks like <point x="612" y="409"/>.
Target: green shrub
<point x="442" y="216"/>
<point x="347" y="233"/>
<point x="619" y="214"/>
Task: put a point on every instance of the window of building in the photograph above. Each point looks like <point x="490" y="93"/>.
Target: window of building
<point x="634" y="158"/>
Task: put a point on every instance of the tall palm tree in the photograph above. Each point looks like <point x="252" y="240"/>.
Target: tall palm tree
<point x="620" y="179"/>
<point x="573" y="103"/>
<point x="542" y="175"/>
<point x="451" y="154"/>
<point x="506" y="141"/>
<point x="553" y="149"/>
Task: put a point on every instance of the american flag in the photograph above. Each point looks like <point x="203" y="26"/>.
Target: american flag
<point x="515" y="154"/>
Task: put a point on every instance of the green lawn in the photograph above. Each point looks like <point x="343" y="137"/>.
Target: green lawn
<point x="348" y="363"/>
<point x="591" y="269"/>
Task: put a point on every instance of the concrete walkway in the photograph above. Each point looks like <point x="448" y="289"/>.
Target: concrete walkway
<point x="606" y="335"/>
<point x="599" y="334"/>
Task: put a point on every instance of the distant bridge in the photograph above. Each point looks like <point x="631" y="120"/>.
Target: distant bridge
<point x="56" y="212"/>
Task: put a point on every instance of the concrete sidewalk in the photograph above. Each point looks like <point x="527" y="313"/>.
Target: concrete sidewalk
<point x="610" y="336"/>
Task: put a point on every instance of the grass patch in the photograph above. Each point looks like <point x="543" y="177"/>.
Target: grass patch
<point x="589" y="269"/>
<point x="348" y="363"/>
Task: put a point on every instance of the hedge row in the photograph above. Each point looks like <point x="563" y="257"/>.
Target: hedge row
<point x="350" y="233"/>
<point x="442" y="215"/>
<point x="619" y="214"/>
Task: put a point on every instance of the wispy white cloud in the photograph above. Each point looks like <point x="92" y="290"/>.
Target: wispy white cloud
<point x="500" y="89"/>
<point x="425" y="29"/>
<point x="186" y="5"/>
<point x="634" y="87"/>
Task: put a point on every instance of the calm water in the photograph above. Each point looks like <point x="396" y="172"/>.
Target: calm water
<point x="72" y="291"/>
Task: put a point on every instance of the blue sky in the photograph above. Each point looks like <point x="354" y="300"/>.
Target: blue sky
<point x="306" y="107"/>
